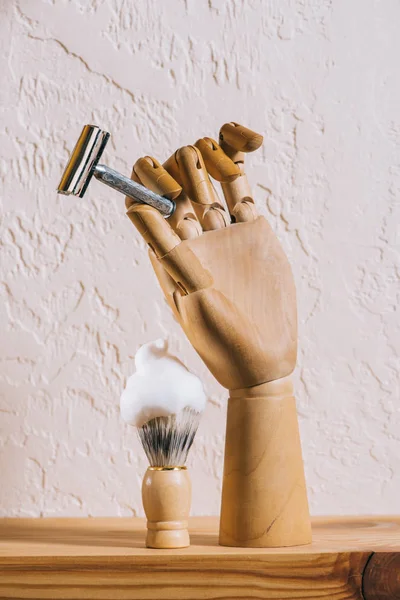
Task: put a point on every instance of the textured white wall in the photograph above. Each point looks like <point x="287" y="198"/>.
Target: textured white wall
<point x="320" y="80"/>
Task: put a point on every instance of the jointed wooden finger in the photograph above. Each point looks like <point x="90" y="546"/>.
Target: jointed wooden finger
<point x="197" y="185"/>
<point x="218" y="164"/>
<point x="184" y="220"/>
<point x="171" y="165"/>
<point x="154" y="228"/>
<point x="234" y="182"/>
<point x="179" y="261"/>
<point x="153" y="175"/>
<point x="239" y="198"/>
<point x="235" y="140"/>
<point x="149" y="172"/>
<point x="151" y="224"/>
<point x="167" y="283"/>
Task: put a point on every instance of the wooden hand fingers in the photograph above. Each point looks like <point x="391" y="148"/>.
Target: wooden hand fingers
<point x="184" y="178"/>
<point x="165" y="181"/>
<point x="184" y="220"/>
<point x="177" y="258"/>
<point x="225" y="163"/>
<point x="153" y="175"/>
<point x="196" y="184"/>
<point x="184" y="272"/>
<point x="154" y="228"/>
<point x="235" y="140"/>
<point x="218" y="164"/>
<point x="234" y="183"/>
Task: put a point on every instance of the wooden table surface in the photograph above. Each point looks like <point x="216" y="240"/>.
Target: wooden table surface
<point x="106" y="559"/>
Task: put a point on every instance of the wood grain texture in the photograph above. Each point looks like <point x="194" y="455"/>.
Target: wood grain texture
<point x="264" y="497"/>
<point x="77" y="559"/>
<point x="382" y="577"/>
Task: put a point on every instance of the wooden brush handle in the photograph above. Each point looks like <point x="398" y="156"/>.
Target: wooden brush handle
<point x="166" y="498"/>
<point x="264" y="499"/>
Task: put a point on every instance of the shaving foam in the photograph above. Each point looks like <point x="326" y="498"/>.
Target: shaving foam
<point x="160" y="387"/>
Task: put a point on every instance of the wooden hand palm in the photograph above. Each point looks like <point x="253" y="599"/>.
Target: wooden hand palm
<point x="243" y="324"/>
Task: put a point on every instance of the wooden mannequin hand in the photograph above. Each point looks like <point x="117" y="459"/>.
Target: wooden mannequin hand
<point x="229" y="283"/>
<point x="230" y="287"/>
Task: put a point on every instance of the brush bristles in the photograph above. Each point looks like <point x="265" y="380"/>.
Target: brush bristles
<point x="167" y="440"/>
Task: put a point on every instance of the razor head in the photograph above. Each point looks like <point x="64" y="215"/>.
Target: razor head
<point x="84" y="158"/>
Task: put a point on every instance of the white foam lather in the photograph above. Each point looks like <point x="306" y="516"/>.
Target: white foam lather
<point x="161" y="386"/>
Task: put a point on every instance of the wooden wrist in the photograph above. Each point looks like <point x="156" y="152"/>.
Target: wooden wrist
<point x="278" y="389"/>
<point x="264" y="498"/>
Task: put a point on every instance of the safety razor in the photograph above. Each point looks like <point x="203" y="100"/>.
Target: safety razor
<point x="84" y="164"/>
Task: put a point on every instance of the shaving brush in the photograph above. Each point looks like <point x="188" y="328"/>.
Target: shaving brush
<point x="164" y="401"/>
<point x="166" y="489"/>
